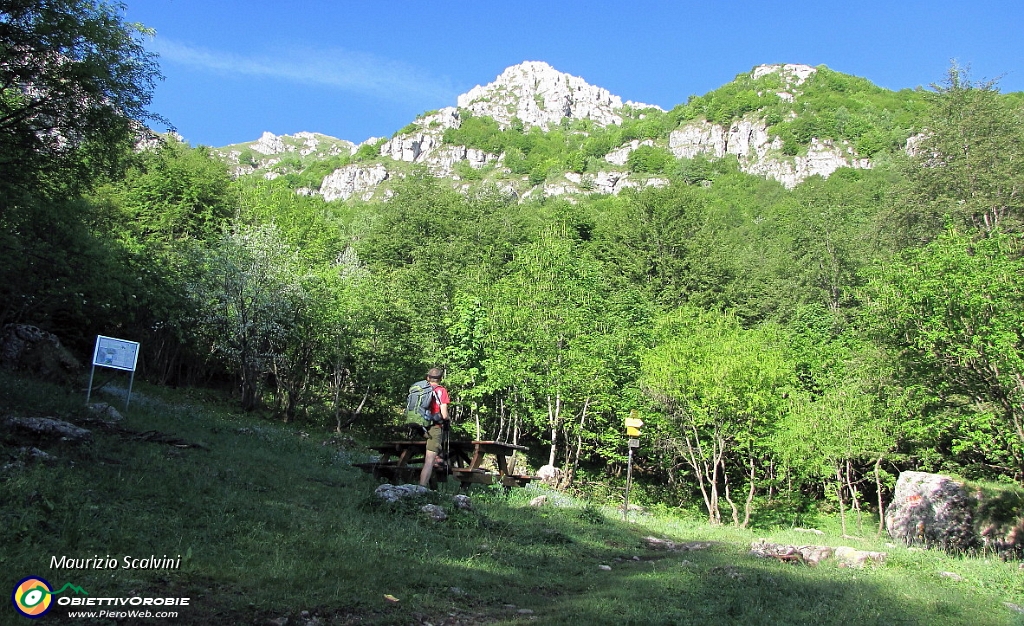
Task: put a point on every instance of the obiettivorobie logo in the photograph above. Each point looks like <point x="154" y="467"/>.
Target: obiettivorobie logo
<point x="32" y="596"/>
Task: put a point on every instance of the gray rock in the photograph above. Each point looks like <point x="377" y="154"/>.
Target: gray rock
<point x="48" y="427"/>
<point x="851" y="557"/>
<point x="394" y="493"/>
<point x="435" y="512"/>
<point x="550" y="474"/>
<point x="462" y="502"/>
<point x="353" y="180"/>
<point x="105" y="412"/>
<point x="27" y="348"/>
<point x="931" y="509"/>
<point x="809" y="555"/>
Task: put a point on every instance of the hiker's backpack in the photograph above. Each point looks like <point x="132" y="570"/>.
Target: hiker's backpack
<point x="417" y="404"/>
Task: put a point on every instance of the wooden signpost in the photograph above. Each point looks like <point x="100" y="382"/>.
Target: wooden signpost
<point x="633" y="424"/>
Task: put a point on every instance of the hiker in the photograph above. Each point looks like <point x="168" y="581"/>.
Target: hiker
<point x="439" y="424"/>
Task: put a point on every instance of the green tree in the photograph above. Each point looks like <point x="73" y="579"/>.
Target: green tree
<point x="951" y="315"/>
<point x="173" y="193"/>
<point x="74" y="76"/>
<point x="247" y="291"/>
<point x="966" y="165"/>
<point x="649" y="160"/>
<point x="837" y="426"/>
<point x="723" y="389"/>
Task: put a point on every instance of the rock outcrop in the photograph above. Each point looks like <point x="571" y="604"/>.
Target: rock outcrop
<point x="535" y="94"/>
<point x="269" y="143"/>
<point x="47" y="428"/>
<point x="353" y="181"/>
<point x="539" y="95"/>
<point x="29" y="349"/>
<point x="931" y="509"/>
<point x="427" y="148"/>
<point x="760" y="153"/>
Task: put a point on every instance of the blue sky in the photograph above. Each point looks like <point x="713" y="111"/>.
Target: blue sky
<point x="354" y="69"/>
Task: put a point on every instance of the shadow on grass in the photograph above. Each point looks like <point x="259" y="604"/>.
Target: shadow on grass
<point x="273" y="525"/>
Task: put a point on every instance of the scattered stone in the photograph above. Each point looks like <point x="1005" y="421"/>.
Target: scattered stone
<point x="394" y="493"/>
<point x="550" y="474"/>
<point x="435" y="512"/>
<point x="809" y="530"/>
<point x="1014" y="607"/>
<point x="35" y="454"/>
<point x="48" y="427"/>
<point x="728" y="570"/>
<point x="931" y="508"/>
<point x="664" y="544"/>
<point x="851" y="557"/>
<point x="539" y="501"/>
<point x="525" y="611"/>
<point x="952" y="575"/>
<point x="462" y="502"/>
<point x="105" y="412"/>
<point x="606" y="568"/>
<point x="636" y="558"/>
<point x="456" y="591"/>
<point x="808" y="555"/>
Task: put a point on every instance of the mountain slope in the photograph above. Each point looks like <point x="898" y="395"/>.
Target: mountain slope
<point x="534" y="131"/>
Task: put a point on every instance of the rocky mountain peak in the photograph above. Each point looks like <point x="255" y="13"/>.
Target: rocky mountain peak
<point x="540" y="95"/>
<point x="792" y="73"/>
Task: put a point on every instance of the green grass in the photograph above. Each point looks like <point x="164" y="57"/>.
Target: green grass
<point x="270" y="522"/>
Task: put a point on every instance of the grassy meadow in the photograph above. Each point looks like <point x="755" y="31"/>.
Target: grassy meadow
<point x="274" y="526"/>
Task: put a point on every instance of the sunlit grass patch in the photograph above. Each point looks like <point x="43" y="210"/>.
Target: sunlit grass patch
<point x="270" y="521"/>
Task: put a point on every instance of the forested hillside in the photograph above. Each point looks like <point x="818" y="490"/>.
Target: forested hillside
<point x="785" y="344"/>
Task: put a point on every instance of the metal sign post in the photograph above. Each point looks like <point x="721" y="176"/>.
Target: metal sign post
<point x="629" y="478"/>
<point x="633" y="424"/>
<point x="118" y="354"/>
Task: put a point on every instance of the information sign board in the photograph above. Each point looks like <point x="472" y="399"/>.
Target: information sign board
<point x="119" y="354"/>
<point x="116" y="353"/>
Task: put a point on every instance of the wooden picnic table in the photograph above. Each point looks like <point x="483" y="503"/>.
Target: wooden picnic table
<point x="465" y="460"/>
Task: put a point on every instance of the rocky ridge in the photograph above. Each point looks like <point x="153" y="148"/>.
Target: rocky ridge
<point x="264" y="155"/>
<point x="539" y="95"/>
<point x="536" y="94"/>
<point x="759" y="152"/>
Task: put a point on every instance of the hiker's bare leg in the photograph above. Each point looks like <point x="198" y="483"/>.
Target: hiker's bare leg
<point x="428" y="468"/>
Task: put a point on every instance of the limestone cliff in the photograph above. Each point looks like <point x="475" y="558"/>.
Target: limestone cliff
<point x="539" y="95"/>
<point x="536" y="95"/>
<point x="759" y="152"/>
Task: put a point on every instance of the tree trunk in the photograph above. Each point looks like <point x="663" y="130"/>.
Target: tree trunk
<point x="749" y="505"/>
<point x="878" y="489"/>
<point x="555" y="421"/>
<point x="839" y="494"/>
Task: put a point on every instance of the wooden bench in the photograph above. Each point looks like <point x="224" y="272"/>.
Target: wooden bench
<point x="465" y="460"/>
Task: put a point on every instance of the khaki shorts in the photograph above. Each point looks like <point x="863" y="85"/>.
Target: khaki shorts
<point x="434" y="436"/>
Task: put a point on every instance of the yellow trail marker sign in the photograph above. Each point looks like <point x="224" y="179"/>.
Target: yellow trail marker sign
<point x="634" y="422"/>
<point x="632" y="432"/>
